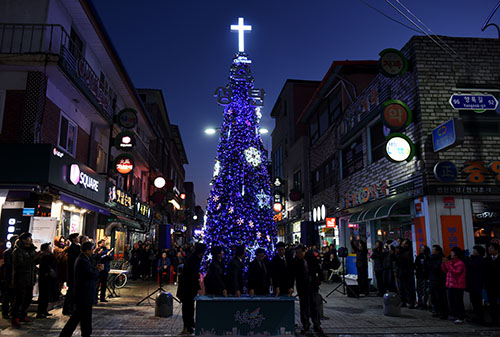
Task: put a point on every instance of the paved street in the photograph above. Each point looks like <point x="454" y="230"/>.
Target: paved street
<point x="347" y="317"/>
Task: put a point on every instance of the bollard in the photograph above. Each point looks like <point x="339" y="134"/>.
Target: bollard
<point x="164" y="305"/>
<point x="392" y="304"/>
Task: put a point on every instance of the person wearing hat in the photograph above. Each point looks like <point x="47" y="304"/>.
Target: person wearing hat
<point x="23" y="278"/>
<point x="189" y="286"/>
<point x="73" y="251"/>
<point x="48" y="286"/>
<point x="259" y="278"/>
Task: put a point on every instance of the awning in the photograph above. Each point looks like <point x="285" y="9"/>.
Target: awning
<point x="394" y="209"/>
<point x="83" y="204"/>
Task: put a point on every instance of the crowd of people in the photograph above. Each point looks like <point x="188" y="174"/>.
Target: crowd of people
<point x="432" y="280"/>
<point x="75" y="262"/>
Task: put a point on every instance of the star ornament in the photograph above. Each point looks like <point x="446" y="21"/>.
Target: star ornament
<point x="231" y="210"/>
<point x="252" y="155"/>
<point x="215" y="198"/>
<point x="264" y="199"/>
<point x="240" y="221"/>
<point x="250" y="224"/>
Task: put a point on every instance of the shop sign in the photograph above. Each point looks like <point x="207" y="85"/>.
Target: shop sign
<point x="116" y="195"/>
<point x="392" y="62"/>
<point x="448" y="135"/>
<point x="449" y="202"/>
<point x="125" y="140"/>
<point x="487" y="215"/>
<point x="399" y="148"/>
<point x="451" y="228"/>
<point x="396" y="115"/>
<point x="464" y="189"/>
<point x="331" y="223"/>
<point x="477" y="171"/>
<point x="143" y="209"/>
<point x="359" y="111"/>
<point x="127" y="118"/>
<point x="365" y="194"/>
<point x="420" y="235"/>
<point x="277" y="182"/>
<point x="124" y="163"/>
<point x="78" y="177"/>
<point x="353" y="225"/>
<point x="91" y="81"/>
<point x="57" y="153"/>
<point x="445" y="172"/>
<point x="278" y="217"/>
<point x="478" y="102"/>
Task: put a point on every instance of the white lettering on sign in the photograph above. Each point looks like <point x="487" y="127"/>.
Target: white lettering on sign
<point x="89" y="182"/>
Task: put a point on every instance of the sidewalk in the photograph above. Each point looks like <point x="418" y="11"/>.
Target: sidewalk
<point x="347" y="316"/>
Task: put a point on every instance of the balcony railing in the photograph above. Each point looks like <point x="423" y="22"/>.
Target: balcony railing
<point x="36" y="39"/>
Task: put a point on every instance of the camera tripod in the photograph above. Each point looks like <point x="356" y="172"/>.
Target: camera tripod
<point x="345" y="288"/>
<point x="159" y="289"/>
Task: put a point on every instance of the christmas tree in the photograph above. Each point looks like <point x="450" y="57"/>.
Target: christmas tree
<point x="239" y="205"/>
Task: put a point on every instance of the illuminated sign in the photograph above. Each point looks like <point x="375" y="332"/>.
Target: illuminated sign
<point x="448" y="134"/>
<point x="76" y="176"/>
<point x="119" y="196"/>
<point x="399" y="148"/>
<point x="125" y="140"/>
<point x="396" y="115"/>
<point x="124" y="164"/>
<point x="127" y="118"/>
<point x="57" y="153"/>
<point x="241" y="28"/>
<point x="277" y="207"/>
<point x="392" y="62"/>
<point x="143" y="209"/>
<point x="331" y="223"/>
<point x="365" y="194"/>
<point x="159" y="182"/>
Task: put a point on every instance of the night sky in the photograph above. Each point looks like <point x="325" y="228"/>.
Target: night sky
<point x="185" y="48"/>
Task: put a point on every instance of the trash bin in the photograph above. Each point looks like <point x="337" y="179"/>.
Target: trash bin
<point x="164" y="305"/>
<point x="392" y="304"/>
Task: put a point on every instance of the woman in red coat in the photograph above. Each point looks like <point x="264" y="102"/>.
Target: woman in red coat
<point x="455" y="283"/>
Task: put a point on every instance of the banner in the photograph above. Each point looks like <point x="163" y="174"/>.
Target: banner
<point x="420" y="235"/>
<point x="43" y="230"/>
<point x="453" y="235"/>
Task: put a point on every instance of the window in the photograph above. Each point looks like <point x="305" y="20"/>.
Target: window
<point x="377" y="141"/>
<point x="75" y="44"/>
<point x="101" y="159"/>
<point x="352" y="158"/>
<point x="2" y="107"/>
<point x="480" y="124"/>
<point x="297" y="181"/>
<point x="67" y="134"/>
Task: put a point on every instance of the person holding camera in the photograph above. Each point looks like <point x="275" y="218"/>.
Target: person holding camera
<point x="360" y="249"/>
<point x="84" y="292"/>
<point x="104" y="257"/>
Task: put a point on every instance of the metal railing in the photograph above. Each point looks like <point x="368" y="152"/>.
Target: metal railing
<point x="18" y="38"/>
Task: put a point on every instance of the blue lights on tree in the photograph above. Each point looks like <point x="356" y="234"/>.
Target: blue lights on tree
<point x="239" y="206"/>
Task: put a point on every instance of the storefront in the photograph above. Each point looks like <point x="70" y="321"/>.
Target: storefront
<point x="486" y="221"/>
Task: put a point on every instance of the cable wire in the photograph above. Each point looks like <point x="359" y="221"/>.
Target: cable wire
<point x="389" y="17"/>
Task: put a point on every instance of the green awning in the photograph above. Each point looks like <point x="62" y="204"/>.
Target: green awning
<point x="394" y="209"/>
<point x="356" y="217"/>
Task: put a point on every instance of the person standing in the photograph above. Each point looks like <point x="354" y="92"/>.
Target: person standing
<point x="422" y="275"/>
<point x="437" y="283"/>
<point x="406" y="274"/>
<point x="492" y="280"/>
<point x="189" y="286"/>
<point x="23" y="278"/>
<point x="378" y="256"/>
<point x="361" y="251"/>
<point x="259" y="278"/>
<point x="48" y="286"/>
<point x="234" y="272"/>
<point x="305" y="271"/>
<point x="62" y="260"/>
<point x="474" y="269"/>
<point x="7" y="289"/>
<point x="73" y="251"/>
<point x="84" y="288"/>
<point x="104" y="257"/>
<point x="214" y="280"/>
<point x="455" y="283"/>
<point x="280" y="272"/>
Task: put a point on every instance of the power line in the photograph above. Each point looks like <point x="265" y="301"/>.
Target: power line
<point x="389" y="17"/>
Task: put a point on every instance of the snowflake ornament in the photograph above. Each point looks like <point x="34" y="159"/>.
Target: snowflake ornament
<point x="250" y="224"/>
<point x="240" y="221"/>
<point x="259" y="235"/>
<point x="252" y="155"/>
<point x="215" y="198"/>
<point x="231" y="210"/>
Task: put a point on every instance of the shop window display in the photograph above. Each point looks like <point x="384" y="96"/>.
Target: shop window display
<point x="486" y="221"/>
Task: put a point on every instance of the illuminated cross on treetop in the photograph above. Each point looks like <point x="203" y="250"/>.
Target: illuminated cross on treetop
<point x="241" y="28"/>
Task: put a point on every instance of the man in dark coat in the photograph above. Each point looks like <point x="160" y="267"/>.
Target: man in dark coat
<point x="306" y="273"/>
<point x="378" y="256"/>
<point x="214" y="280"/>
<point x="85" y="287"/>
<point x="259" y="278"/>
<point x="234" y="272"/>
<point x="73" y="251"/>
<point x="437" y="283"/>
<point x="280" y="272"/>
<point x="189" y="286"/>
<point x="48" y="286"/>
<point x="103" y="255"/>
<point x="406" y="274"/>
<point x="361" y="251"/>
<point x="474" y="272"/>
<point x="23" y="278"/>
<point x="492" y="280"/>
<point x="7" y="290"/>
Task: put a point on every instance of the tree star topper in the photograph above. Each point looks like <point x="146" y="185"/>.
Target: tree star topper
<point x="241" y="28"/>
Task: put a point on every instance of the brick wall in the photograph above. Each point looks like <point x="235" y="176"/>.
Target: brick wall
<point x="12" y="122"/>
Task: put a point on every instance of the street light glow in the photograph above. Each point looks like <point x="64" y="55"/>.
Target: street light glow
<point x="263" y="131"/>
<point x="210" y="131"/>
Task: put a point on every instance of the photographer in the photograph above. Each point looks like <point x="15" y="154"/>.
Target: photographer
<point x="104" y="257"/>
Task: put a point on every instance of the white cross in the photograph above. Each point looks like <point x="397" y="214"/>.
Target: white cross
<point x="240" y="28"/>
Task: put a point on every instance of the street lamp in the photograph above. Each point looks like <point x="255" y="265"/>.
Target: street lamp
<point x="210" y="131"/>
<point x="263" y="131"/>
